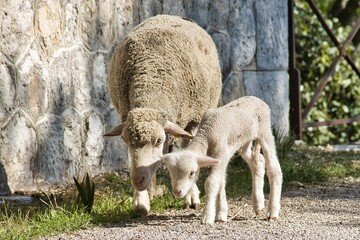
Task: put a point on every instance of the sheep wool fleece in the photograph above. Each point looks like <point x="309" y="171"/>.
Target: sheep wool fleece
<point x="169" y="64"/>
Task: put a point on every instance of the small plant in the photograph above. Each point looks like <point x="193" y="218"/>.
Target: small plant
<point x="86" y="192"/>
<point x="283" y="143"/>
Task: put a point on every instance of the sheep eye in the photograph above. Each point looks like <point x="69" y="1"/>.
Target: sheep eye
<point x="192" y="173"/>
<point x="158" y="142"/>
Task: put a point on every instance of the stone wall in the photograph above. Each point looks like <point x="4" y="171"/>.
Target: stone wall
<point x="54" y="104"/>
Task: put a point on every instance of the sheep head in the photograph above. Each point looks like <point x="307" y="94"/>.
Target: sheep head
<point x="184" y="168"/>
<point x="144" y="132"/>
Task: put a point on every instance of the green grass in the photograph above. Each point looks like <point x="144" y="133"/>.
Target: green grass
<point x="17" y="224"/>
<point x="317" y="166"/>
<point x="52" y="214"/>
<point x="307" y="166"/>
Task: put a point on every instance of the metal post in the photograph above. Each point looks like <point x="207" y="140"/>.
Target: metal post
<point x="294" y="78"/>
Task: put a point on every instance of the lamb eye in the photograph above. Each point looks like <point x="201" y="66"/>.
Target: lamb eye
<point x="192" y="173"/>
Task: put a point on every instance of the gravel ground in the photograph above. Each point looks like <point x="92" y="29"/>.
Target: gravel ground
<point x="317" y="212"/>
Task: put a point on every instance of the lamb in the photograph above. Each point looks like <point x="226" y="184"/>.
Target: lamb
<point x="162" y="79"/>
<point x="222" y="132"/>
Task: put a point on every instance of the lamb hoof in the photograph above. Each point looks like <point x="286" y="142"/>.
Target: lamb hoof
<point x="272" y="219"/>
<point x="258" y="212"/>
<point x="272" y="216"/>
<point x="207" y="220"/>
<point x="195" y="206"/>
<point x="221" y="219"/>
<point x="186" y="206"/>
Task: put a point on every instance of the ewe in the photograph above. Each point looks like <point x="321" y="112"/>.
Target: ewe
<point x="222" y="132"/>
<point x="162" y="79"/>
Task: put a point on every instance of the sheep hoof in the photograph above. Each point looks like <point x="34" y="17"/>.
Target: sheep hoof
<point x="195" y="206"/>
<point x="142" y="209"/>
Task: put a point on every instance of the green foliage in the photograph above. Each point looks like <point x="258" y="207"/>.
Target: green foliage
<point x="283" y="143"/>
<point x="238" y="180"/>
<point x="341" y="96"/>
<point x="239" y="175"/>
<point x="86" y="192"/>
<point x="113" y="201"/>
<point x="311" y="165"/>
<point x="111" y="207"/>
<point x="165" y="202"/>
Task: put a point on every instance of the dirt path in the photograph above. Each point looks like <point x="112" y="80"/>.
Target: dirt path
<point x="319" y="212"/>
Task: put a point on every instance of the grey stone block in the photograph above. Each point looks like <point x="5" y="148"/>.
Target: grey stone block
<point x="233" y="87"/>
<point x="7" y="90"/>
<point x="219" y="13"/>
<point x="144" y="9"/>
<point x="173" y="7"/>
<point x="197" y="10"/>
<point x="87" y="23"/>
<point x="18" y="148"/>
<point x="16" y="28"/>
<point x="48" y="25"/>
<point x="31" y="86"/>
<point x="273" y="88"/>
<point x="50" y="165"/>
<point x="73" y="134"/>
<point x="94" y="142"/>
<point x="223" y="45"/>
<point x="272" y="35"/>
<point x="242" y="30"/>
<point x="99" y="82"/>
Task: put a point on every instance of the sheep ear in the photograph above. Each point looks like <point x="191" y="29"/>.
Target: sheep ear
<point x="205" y="161"/>
<point x="116" y="131"/>
<point x="176" y="130"/>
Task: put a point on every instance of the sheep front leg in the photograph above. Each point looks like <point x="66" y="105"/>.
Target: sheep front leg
<point x="212" y="187"/>
<point x="221" y="203"/>
<point x="142" y="202"/>
<point x="192" y="199"/>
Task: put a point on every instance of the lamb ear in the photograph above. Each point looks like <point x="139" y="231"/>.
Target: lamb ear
<point x="116" y="131"/>
<point x="163" y="158"/>
<point x="205" y="161"/>
<point x="176" y="130"/>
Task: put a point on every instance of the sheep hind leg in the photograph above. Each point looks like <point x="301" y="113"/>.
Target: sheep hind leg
<point x="213" y="188"/>
<point x="274" y="173"/>
<point x="192" y="199"/>
<point x="256" y="163"/>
